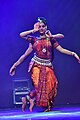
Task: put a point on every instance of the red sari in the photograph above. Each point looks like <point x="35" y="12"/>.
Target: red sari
<point x="42" y="75"/>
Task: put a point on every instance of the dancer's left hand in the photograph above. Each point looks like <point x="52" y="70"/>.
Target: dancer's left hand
<point x="48" y="33"/>
<point x="79" y="60"/>
<point x="76" y="56"/>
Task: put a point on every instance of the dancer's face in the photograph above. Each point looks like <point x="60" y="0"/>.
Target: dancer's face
<point x="42" y="28"/>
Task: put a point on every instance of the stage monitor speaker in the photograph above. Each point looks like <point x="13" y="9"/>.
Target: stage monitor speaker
<point x="20" y="89"/>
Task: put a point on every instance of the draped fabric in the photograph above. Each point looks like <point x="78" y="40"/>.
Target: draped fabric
<point x="45" y="84"/>
<point x="43" y="76"/>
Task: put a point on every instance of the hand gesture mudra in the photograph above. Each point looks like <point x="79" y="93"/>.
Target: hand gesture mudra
<point x="48" y="33"/>
<point x="76" y="56"/>
<point x="36" y="27"/>
<point x="79" y="60"/>
<point x="12" y="70"/>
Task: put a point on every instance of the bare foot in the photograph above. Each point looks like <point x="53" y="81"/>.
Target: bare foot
<point x="31" y="105"/>
<point x="23" y="104"/>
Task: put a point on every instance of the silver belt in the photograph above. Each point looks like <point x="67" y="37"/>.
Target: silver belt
<point x="45" y="62"/>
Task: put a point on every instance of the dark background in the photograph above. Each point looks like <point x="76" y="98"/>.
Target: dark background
<point x="63" y="16"/>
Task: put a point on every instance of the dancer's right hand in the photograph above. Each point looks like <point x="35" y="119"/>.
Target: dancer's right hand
<point x="12" y="70"/>
<point x="36" y="27"/>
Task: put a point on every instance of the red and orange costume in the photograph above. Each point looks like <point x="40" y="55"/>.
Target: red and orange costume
<point x="42" y="72"/>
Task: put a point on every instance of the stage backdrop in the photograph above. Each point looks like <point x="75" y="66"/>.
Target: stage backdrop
<point x="63" y="16"/>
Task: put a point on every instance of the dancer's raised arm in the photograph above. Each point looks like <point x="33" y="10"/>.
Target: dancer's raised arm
<point x="25" y="33"/>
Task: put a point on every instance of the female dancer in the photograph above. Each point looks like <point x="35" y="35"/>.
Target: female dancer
<point x="41" y="68"/>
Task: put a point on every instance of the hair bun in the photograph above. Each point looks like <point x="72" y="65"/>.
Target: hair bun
<point x="42" y="19"/>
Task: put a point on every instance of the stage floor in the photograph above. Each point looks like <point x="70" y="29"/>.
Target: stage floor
<point x="58" y="113"/>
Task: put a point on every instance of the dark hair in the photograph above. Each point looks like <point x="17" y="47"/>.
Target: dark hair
<point x="43" y="20"/>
